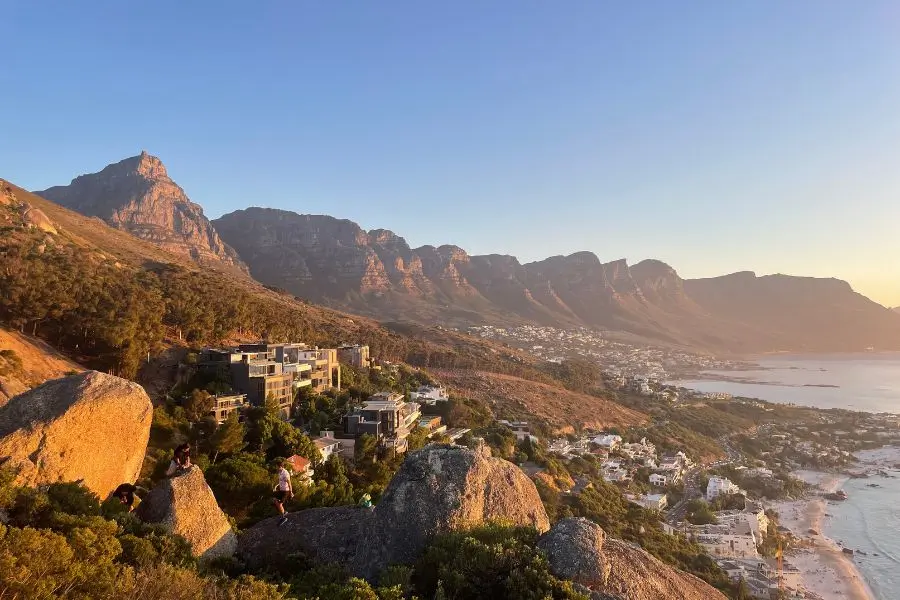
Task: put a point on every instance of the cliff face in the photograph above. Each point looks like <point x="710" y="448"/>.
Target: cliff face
<point x="377" y="273"/>
<point x="137" y="195"/>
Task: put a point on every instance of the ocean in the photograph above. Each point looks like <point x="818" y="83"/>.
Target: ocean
<point x="870" y="519"/>
<point x="868" y="382"/>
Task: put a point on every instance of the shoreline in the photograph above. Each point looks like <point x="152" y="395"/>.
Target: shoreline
<point x="826" y="572"/>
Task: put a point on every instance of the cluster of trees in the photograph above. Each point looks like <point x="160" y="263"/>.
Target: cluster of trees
<point x="112" y="315"/>
<point x="62" y="543"/>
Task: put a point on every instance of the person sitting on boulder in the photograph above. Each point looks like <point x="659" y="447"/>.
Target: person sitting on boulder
<point x="284" y="490"/>
<point x="181" y="461"/>
<point x="125" y="494"/>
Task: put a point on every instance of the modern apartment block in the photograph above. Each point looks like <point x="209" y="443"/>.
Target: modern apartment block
<point x="324" y="368"/>
<point x="355" y="355"/>
<point x="387" y="417"/>
<point x="262" y="370"/>
<point x="225" y="404"/>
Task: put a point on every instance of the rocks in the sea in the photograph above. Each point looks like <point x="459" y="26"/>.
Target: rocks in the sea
<point x="186" y="506"/>
<point x="89" y="427"/>
<point x="610" y="569"/>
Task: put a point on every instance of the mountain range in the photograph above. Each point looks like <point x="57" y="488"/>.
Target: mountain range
<point x="337" y="263"/>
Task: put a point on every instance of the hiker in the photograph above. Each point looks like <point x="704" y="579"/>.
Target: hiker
<point x="125" y="494"/>
<point x="284" y="490"/>
<point x="366" y="501"/>
<point x="181" y="461"/>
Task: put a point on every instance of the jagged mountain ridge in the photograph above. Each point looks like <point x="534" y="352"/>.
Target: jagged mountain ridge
<point x="137" y="195"/>
<point x="336" y="262"/>
<point x="376" y="273"/>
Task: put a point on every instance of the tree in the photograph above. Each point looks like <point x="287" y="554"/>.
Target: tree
<point x="743" y="592"/>
<point x="238" y="481"/>
<point x="365" y="449"/>
<point x="229" y="437"/>
<point x="197" y="405"/>
<point x="417" y="438"/>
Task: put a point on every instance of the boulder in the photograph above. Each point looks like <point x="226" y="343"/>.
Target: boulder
<point x="322" y="535"/>
<point x="442" y="488"/>
<point x="610" y="569"/>
<point x="35" y="217"/>
<point x="186" y="506"/>
<point x="574" y="549"/>
<point x="89" y="427"/>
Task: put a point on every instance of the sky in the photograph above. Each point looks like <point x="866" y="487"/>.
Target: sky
<point x="715" y="136"/>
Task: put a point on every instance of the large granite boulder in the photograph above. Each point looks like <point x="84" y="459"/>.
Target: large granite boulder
<point x="186" y="506"/>
<point x="322" y="535"/>
<point x="610" y="569"/>
<point x="442" y="488"/>
<point x="574" y="548"/>
<point x="89" y="427"/>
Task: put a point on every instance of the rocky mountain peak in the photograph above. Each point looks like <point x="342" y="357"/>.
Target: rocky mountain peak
<point x="137" y="195"/>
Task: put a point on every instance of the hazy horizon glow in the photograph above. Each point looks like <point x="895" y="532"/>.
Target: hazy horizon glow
<point x="717" y="137"/>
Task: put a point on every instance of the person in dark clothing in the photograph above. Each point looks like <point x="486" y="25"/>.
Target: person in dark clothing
<point x="181" y="461"/>
<point x="125" y="494"/>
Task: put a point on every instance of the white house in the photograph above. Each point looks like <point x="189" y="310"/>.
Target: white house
<point x="430" y="394"/>
<point x="607" y="441"/>
<point x="650" y="501"/>
<point x="519" y="428"/>
<point x="719" y="486"/>
<point x="659" y="479"/>
<point x="327" y="445"/>
<point x="731" y="542"/>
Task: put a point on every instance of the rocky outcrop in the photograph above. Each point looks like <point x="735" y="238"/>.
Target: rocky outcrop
<point x="137" y="195"/>
<point x="443" y="488"/>
<point x="574" y="549"/>
<point x="323" y="535"/>
<point x="90" y="427"/>
<point x="186" y="506"/>
<point x="36" y="218"/>
<point x="610" y="569"/>
<point x="438" y="489"/>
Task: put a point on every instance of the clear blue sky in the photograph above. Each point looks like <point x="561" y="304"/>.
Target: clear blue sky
<point x="717" y="136"/>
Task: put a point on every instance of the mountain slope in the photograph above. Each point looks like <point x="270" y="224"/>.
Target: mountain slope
<point x="109" y="298"/>
<point x="137" y="195"/>
<point x="336" y="262"/>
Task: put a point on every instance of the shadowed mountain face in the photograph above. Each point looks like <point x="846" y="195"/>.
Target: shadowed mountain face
<point x="336" y="262"/>
<point x="376" y="273"/>
<point x="138" y="196"/>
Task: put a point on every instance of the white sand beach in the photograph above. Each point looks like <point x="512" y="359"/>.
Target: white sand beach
<point x="827" y="572"/>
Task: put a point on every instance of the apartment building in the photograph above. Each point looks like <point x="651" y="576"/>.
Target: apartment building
<point x="324" y="368"/>
<point x="354" y="355"/>
<point x="225" y="404"/>
<point x="387" y="417"/>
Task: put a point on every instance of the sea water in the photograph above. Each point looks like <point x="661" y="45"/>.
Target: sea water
<point x="869" y="520"/>
<point x="868" y="382"/>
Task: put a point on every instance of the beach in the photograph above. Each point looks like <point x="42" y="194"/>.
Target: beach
<point x="826" y="572"/>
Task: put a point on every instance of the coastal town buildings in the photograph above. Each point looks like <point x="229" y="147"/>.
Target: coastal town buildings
<point x="719" y="486"/>
<point x="429" y="394"/>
